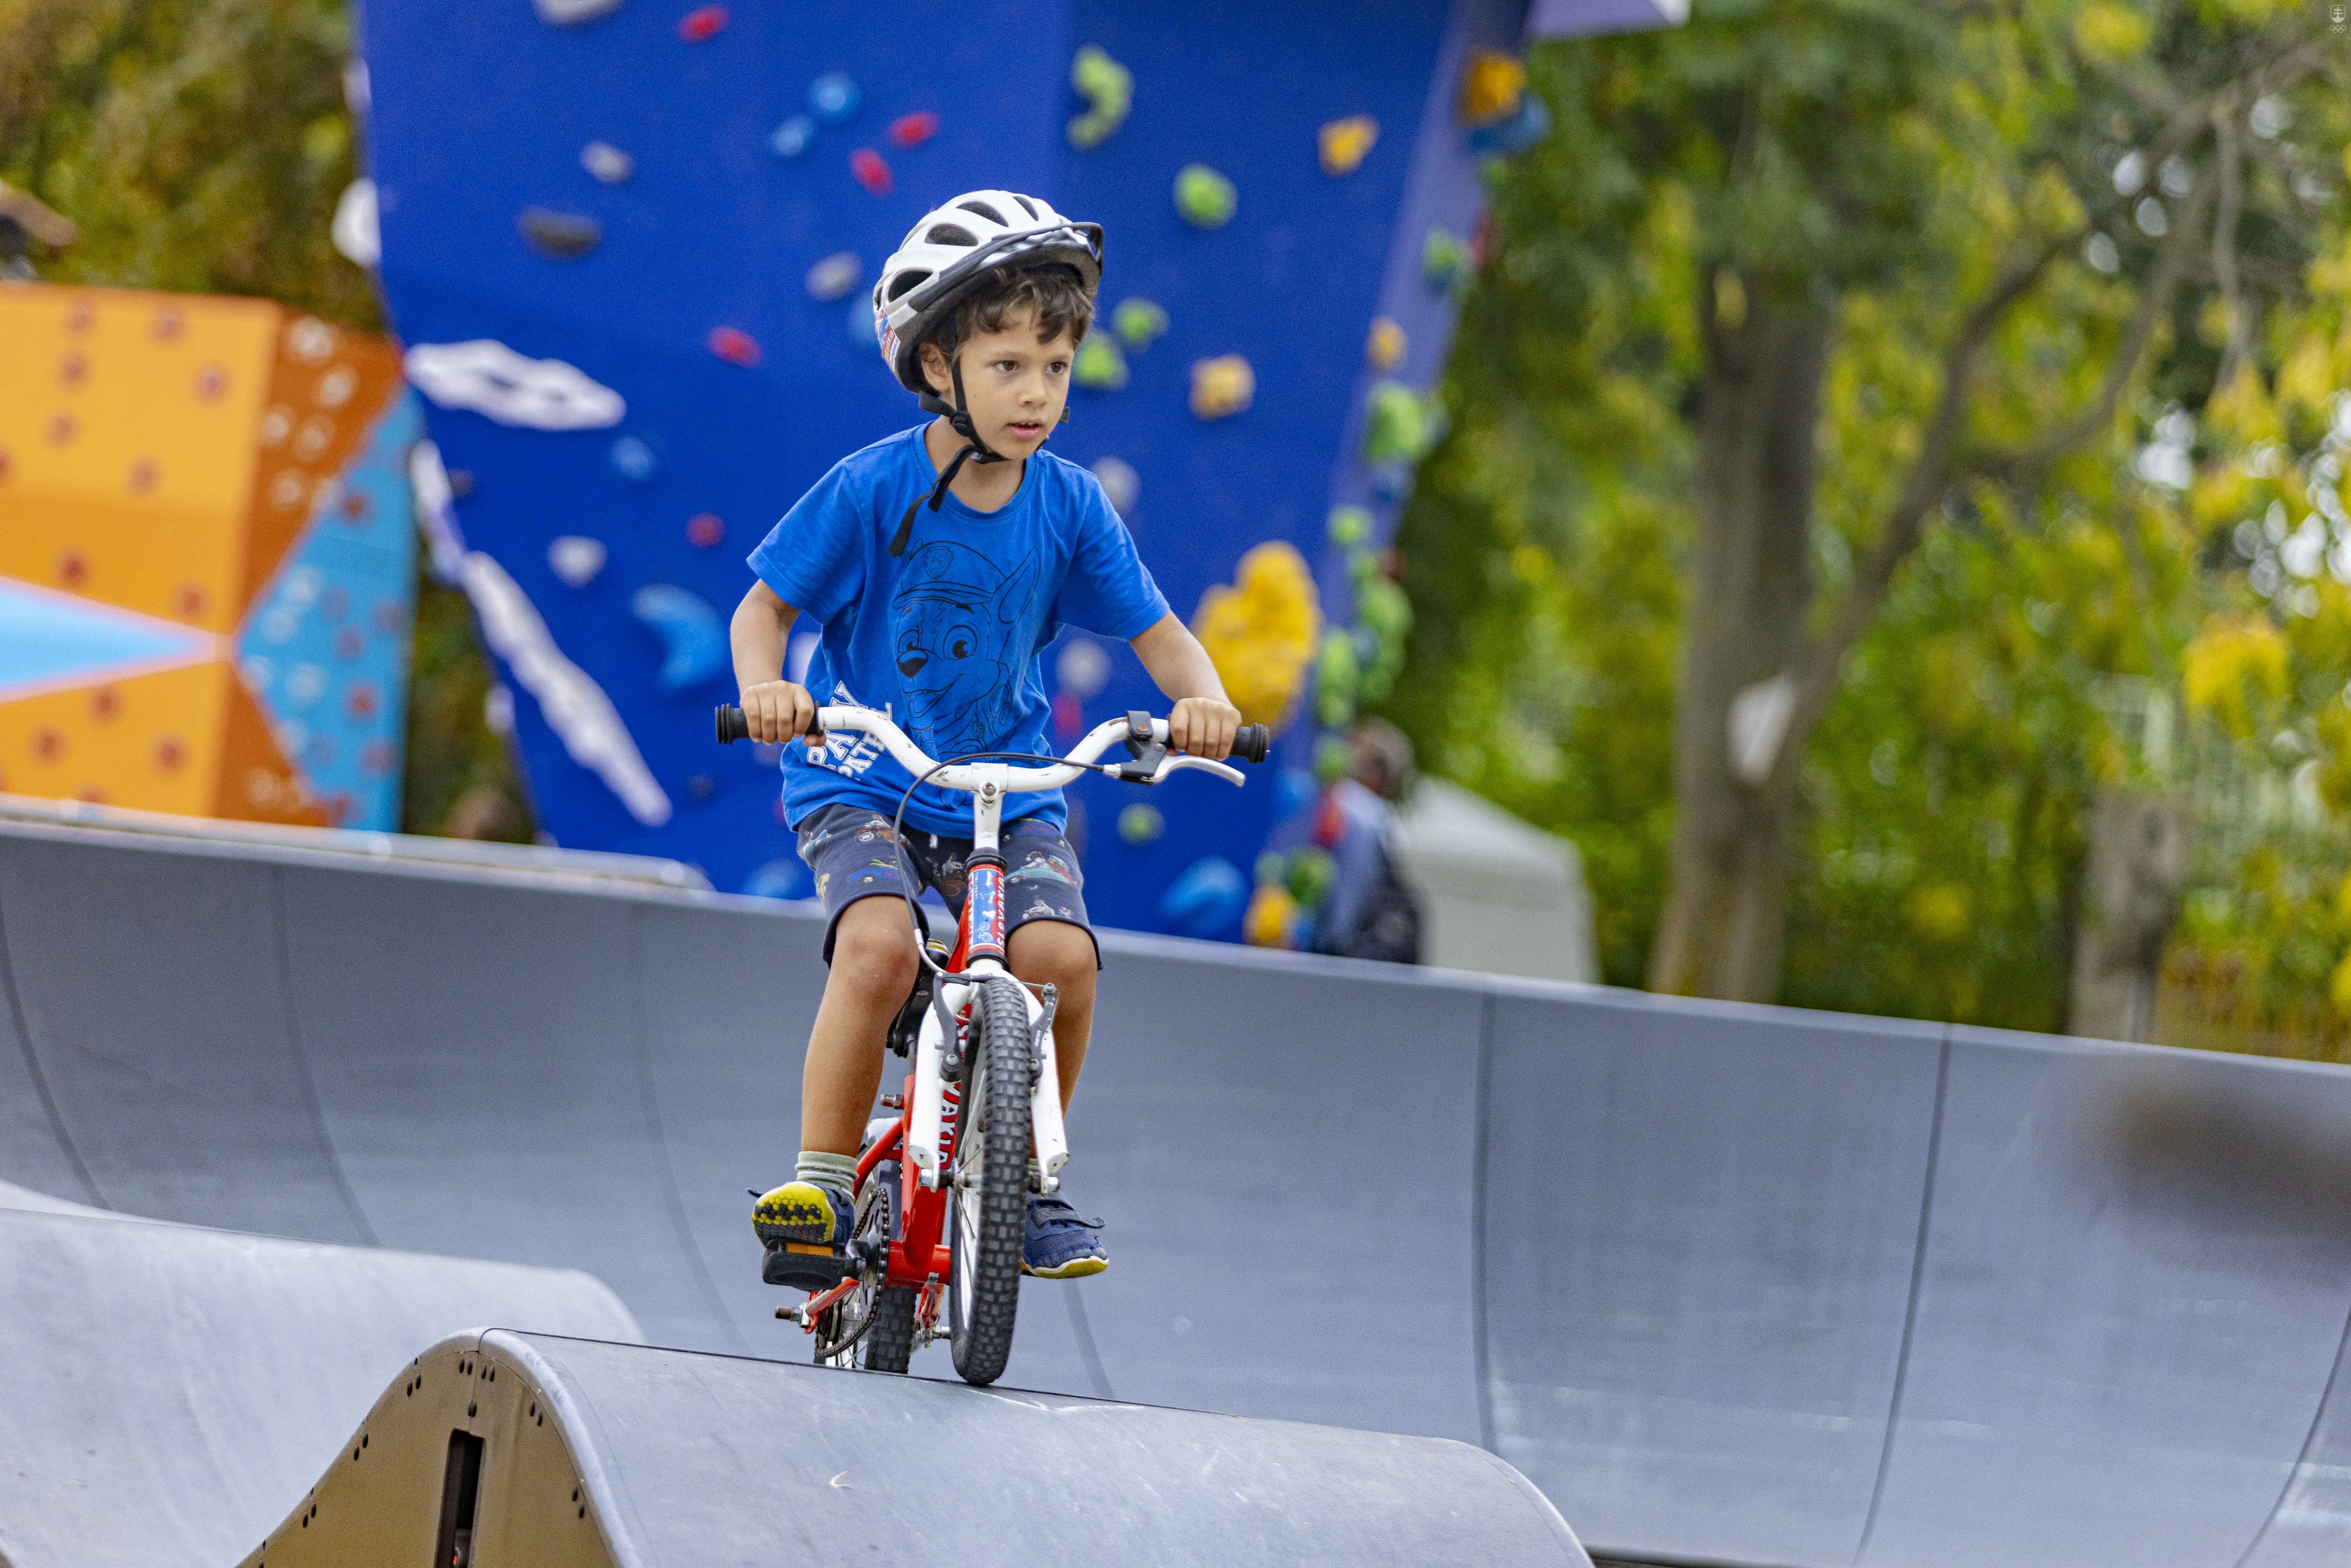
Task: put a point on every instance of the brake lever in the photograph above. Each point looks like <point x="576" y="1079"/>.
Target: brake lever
<point x="1149" y="756"/>
<point x="1170" y="764"/>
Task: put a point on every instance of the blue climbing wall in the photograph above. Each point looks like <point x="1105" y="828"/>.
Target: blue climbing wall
<point x="480" y="114"/>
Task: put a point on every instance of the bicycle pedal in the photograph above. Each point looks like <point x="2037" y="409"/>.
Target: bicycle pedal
<point x="799" y="1266"/>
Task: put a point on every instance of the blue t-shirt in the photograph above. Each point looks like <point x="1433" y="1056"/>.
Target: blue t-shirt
<point x="945" y="638"/>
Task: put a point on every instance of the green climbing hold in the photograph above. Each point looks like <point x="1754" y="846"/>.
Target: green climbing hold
<point x="1138" y="322"/>
<point x="1401" y="426"/>
<point x="1333" y="758"/>
<point x="1141" y="823"/>
<point x="1108" y="89"/>
<point x="1311" y="873"/>
<point x="1204" y="197"/>
<point x="1100" y="366"/>
<point x="1273" y="869"/>
<point x="1444" y="260"/>
<point x="1350" y="525"/>
<point x="1337" y="676"/>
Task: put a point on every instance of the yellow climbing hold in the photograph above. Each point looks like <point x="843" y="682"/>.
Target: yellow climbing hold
<point x="1222" y="387"/>
<point x="1345" y="143"/>
<point x="1261" y="631"/>
<point x="1384" y="350"/>
<point x="1492" y="84"/>
<point x="1272" y="918"/>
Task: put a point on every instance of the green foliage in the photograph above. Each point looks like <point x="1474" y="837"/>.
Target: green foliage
<point x="1893" y="160"/>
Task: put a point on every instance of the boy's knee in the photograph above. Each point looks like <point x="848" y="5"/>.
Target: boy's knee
<point x="1054" y="952"/>
<point x="873" y="947"/>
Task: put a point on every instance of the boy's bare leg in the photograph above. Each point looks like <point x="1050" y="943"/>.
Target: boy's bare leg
<point x="874" y="964"/>
<point x="1056" y="953"/>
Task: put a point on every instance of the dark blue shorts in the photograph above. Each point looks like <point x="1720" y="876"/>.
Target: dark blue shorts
<point x="849" y="849"/>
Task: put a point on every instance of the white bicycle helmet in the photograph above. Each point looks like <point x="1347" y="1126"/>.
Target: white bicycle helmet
<point x="945" y="256"/>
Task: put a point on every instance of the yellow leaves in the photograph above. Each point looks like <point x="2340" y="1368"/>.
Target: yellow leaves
<point x="2219" y="494"/>
<point x="2050" y="204"/>
<point x="2242" y="409"/>
<point x="2231" y="667"/>
<point x="1530" y="565"/>
<point x="1941" y="911"/>
<point x="2306" y="381"/>
<point x="2111" y="31"/>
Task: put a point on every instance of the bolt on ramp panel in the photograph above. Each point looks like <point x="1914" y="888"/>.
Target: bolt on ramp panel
<point x="599" y="1454"/>
<point x="167" y="1391"/>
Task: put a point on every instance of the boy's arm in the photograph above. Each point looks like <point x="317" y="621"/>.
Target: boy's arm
<point x="774" y="709"/>
<point x="1204" y="718"/>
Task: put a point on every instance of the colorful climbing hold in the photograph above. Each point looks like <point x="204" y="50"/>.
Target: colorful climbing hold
<point x="1207" y="899"/>
<point x="571" y="12"/>
<point x="735" y="346"/>
<point x="634" y="461"/>
<point x="1082" y="668"/>
<point x="1121" y="484"/>
<point x="694" y="640"/>
<point x="560" y="236"/>
<point x="1271" y="919"/>
<point x="861" y="330"/>
<point x="607" y="164"/>
<point x="1491" y="85"/>
<point x="1222" y="387"/>
<point x="705" y="529"/>
<point x="1400" y="424"/>
<point x="834" y="99"/>
<point x="1336" y="677"/>
<point x="1384" y="347"/>
<point x="1203" y="198"/>
<point x="485" y="376"/>
<point x="1293" y="789"/>
<point x="702" y="23"/>
<point x="912" y="130"/>
<point x="1343" y="144"/>
<point x="792" y="138"/>
<point x="867" y="167"/>
<point x="1349" y="526"/>
<point x="1138" y="322"/>
<point x="575" y="559"/>
<point x="1141" y="823"/>
<point x="1444" y="260"/>
<point x="1108" y="89"/>
<point x="1100" y="366"/>
<point x="1514" y="132"/>
<point x="1260" y="631"/>
<point x="1068" y="717"/>
<point x="786" y="876"/>
<point x="835" y="275"/>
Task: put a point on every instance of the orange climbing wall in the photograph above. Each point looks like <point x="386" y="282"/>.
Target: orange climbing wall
<point x="161" y="454"/>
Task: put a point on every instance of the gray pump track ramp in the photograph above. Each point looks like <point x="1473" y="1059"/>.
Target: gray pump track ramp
<point x="1731" y="1284"/>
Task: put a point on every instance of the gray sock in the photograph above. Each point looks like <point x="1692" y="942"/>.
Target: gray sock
<point x="838" y="1172"/>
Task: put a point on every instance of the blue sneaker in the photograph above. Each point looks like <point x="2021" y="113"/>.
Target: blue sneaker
<point x="1059" y="1245"/>
<point x="803" y="1214"/>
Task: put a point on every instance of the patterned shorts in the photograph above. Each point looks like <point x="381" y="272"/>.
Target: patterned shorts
<point x="849" y="849"/>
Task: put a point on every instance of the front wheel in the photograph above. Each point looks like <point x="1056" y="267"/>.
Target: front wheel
<point x="988" y="1201"/>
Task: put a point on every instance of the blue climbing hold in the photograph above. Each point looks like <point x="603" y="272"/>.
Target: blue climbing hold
<point x="694" y="640"/>
<point x="1207" y="899"/>
<point x="1293" y="792"/>
<point x="792" y="138"/>
<point x="634" y="461"/>
<point x="833" y="98"/>
<point x="786" y="876"/>
<point x="861" y="330"/>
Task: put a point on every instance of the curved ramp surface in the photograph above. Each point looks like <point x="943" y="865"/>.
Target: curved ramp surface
<point x="167" y="1392"/>
<point x="552" y="1451"/>
<point x="1731" y="1284"/>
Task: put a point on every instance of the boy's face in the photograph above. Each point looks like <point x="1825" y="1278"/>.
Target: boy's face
<point x="1014" y="385"/>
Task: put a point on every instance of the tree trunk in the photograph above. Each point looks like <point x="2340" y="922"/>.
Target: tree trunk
<point x="2130" y="896"/>
<point x="1744" y="625"/>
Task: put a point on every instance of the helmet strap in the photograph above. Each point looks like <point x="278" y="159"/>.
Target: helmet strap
<point x="958" y="418"/>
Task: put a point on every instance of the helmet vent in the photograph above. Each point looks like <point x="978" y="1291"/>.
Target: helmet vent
<point x="1026" y="204"/>
<point x="950" y="234"/>
<point x="984" y="211"/>
<point x="907" y="281"/>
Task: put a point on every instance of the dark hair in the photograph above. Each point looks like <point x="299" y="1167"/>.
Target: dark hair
<point x="1052" y="292"/>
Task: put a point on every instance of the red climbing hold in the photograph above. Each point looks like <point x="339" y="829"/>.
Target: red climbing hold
<point x="735" y="346"/>
<point x="871" y="171"/>
<point x="1068" y="716"/>
<point x="704" y="530"/>
<point x="698" y="26"/>
<point x="360" y="701"/>
<point x="914" y="130"/>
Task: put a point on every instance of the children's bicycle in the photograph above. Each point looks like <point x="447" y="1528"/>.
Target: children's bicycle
<point x="941" y="1190"/>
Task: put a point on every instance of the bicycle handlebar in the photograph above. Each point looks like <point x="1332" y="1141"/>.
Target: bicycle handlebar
<point x="1250" y="742"/>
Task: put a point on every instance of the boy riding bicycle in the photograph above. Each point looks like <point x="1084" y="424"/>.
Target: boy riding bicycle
<point x="940" y="562"/>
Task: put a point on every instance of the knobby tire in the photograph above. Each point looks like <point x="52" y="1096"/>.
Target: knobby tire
<point x="997" y="1072"/>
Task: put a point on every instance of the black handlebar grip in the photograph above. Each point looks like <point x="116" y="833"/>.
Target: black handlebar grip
<point x="1251" y="741"/>
<point x="732" y="726"/>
